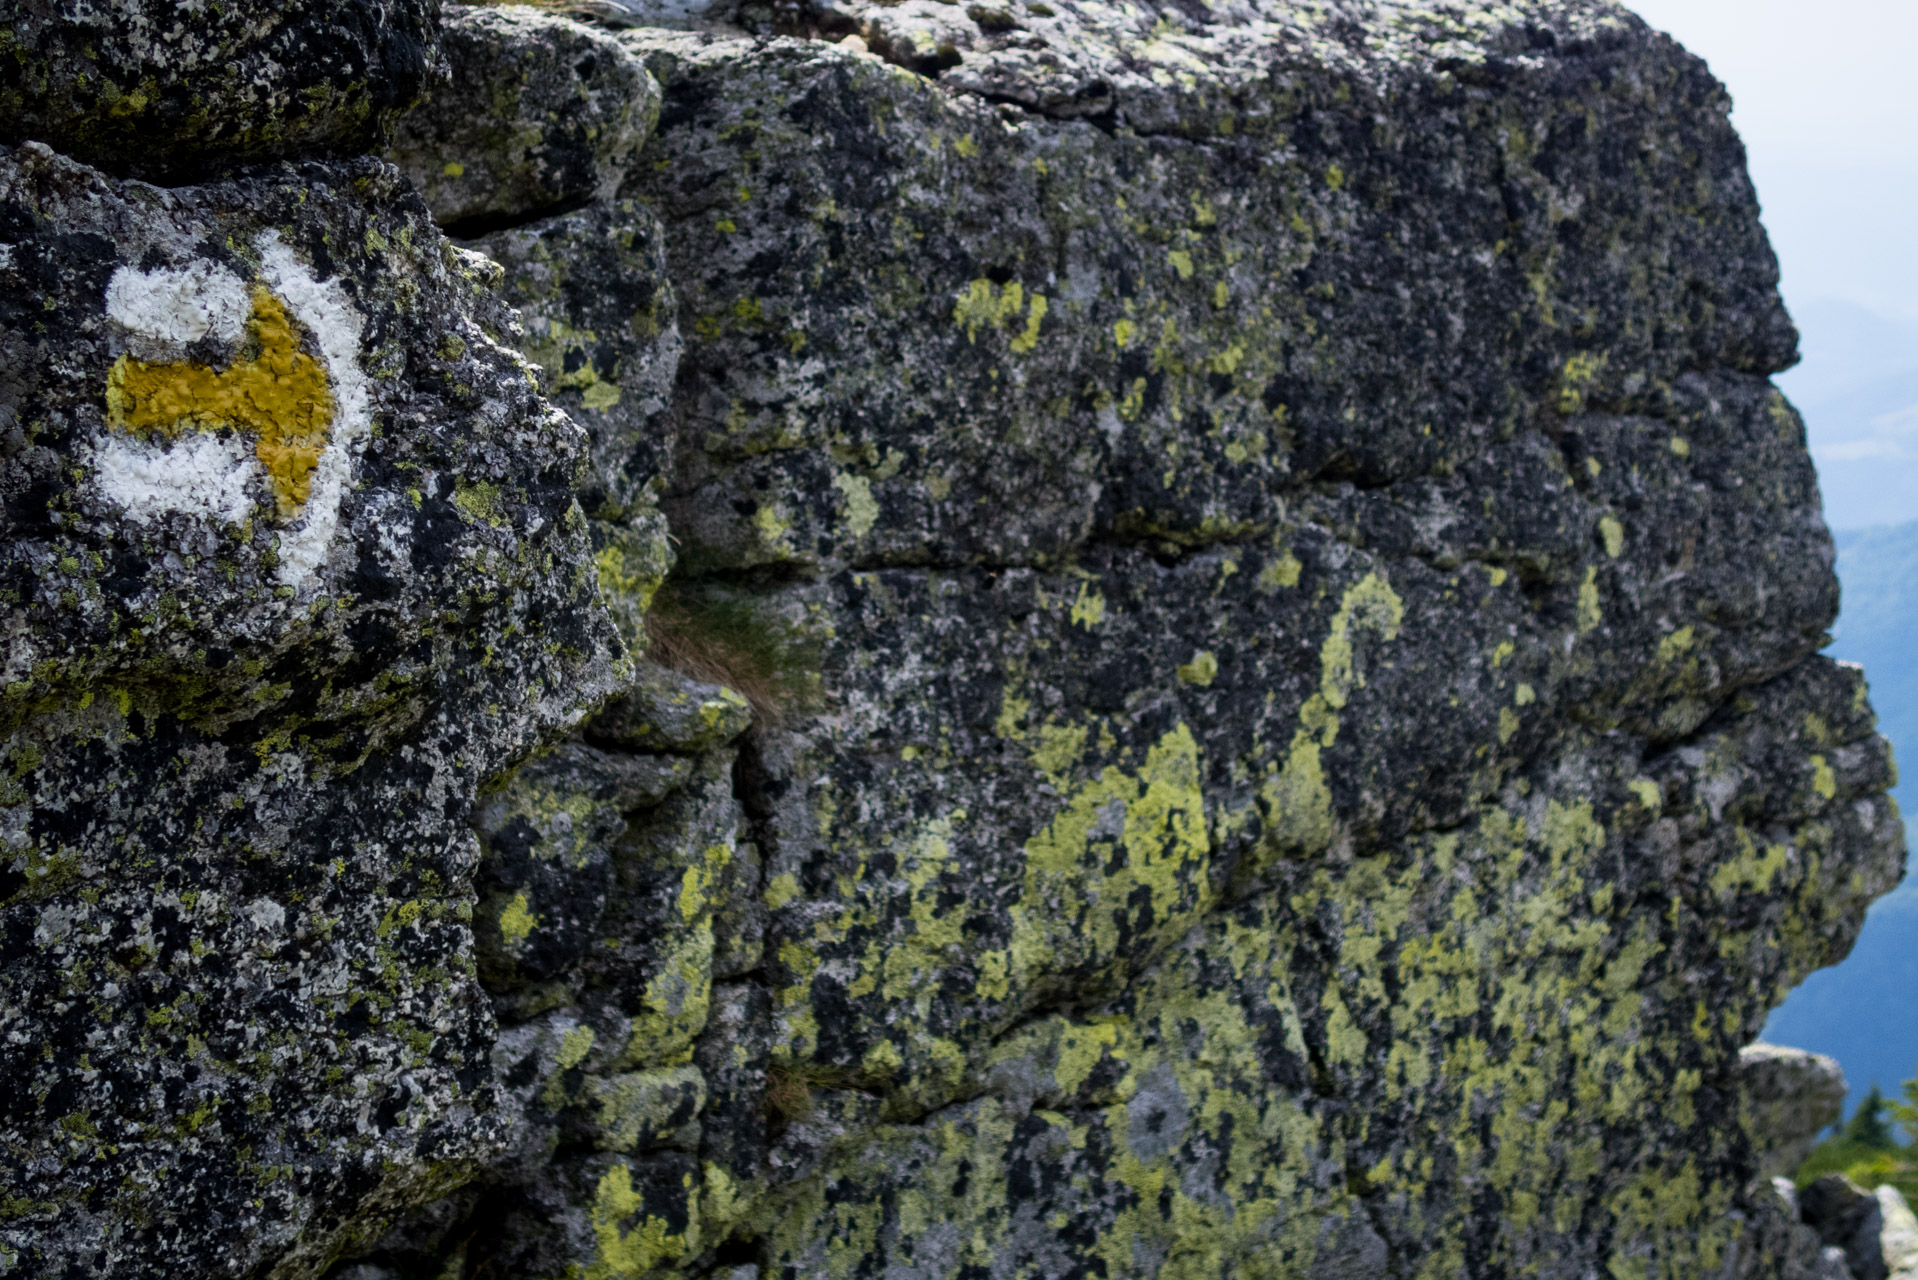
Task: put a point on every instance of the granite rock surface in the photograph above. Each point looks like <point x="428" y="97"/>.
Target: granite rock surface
<point x="1169" y="642"/>
<point x="528" y="113"/>
<point x="175" y="92"/>
<point x="293" y="563"/>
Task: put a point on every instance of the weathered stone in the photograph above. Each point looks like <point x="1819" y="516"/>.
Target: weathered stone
<point x="653" y="959"/>
<point x="1847" y="1217"/>
<point x="602" y="324"/>
<point x="1237" y="694"/>
<point x="293" y="564"/>
<point x="1790" y="1097"/>
<point x="547" y="866"/>
<point x="733" y="1055"/>
<point x="643" y="1110"/>
<point x="664" y="710"/>
<point x="1777" y="1243"/>
<point x="1246" y="542"/>
<point x="171" y="92"/>
<point x="534" y="111"/>
<point x="683" y="14"/>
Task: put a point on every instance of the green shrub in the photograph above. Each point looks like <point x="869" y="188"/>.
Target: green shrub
<point x="1866" y="1150"/>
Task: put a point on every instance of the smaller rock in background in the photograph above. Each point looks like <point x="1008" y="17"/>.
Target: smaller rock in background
<point x="536" y="112"/>
<point x="1898" y="1237"/>
<point x="1791" y="1096"/>
<point x="1876" y="1230"/>
<point x="172" y="92"/>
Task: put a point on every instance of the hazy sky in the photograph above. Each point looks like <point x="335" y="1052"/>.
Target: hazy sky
<point x="1824" y="96"/>
<point x="1825" y="81"/>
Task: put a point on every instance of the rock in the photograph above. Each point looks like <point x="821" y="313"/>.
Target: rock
<point x="293" y="564"/>
<point x="1897" y="1234"/>
<point x="547" y="864"/>
<point x="1790" y="1097"/>
<point x="1787" y="1192"/>
<point x="1776" y="1243"/>
<point x="535" y="112"/>
<point x="1230" y="683"/>
<point x="666" y="711"/>
<point x="1853" y="1220"/>
<point x="682" y="14"/>
<point x="1151" y="467"/>
<point x="172" y="92"/>
<point x="601" y="322"/>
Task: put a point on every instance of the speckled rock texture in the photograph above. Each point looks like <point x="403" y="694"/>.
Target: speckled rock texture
<point x="171" y="92"/>
<point x="602" y="323"/>
<point x="1791" y="1096"/>
<point x="1873" y="1233"/>
<point x="529" y="113"/>
<point x="1230" y="680"/>
<point x="254" y="680"/>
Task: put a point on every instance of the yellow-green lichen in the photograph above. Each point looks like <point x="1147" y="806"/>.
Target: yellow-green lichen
<point x="1296" y="801"/>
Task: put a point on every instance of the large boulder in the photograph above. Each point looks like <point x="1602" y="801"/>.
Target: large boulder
<point x="1320" y="604"/>
<point x="1790" y="1097"/>
<point x="171" y="92"/>
<point x="1237" y="694"/>
<point x="292" y="564"/>
<point x="1288" y="607"/>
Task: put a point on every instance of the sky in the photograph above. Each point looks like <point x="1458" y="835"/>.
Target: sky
<point x="1823" y="96"/>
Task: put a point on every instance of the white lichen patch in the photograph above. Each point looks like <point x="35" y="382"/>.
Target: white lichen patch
<point x="163" y="311"/>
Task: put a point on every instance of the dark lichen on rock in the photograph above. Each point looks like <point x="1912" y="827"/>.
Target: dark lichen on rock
<point x="243" y="740"/>
<point x="173" y="92"/>
<point x="1043" y="640"/>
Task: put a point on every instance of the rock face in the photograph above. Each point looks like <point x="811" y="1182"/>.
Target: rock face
<point x="1791" y="1096"/>
<point x="1230" y="680"/>
<point x="530" y="113"/>
<point x="293" y="564"/>
<point x="170" y="91"/>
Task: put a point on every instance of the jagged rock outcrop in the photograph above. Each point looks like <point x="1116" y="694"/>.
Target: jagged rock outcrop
<point x="1230" y="678"/>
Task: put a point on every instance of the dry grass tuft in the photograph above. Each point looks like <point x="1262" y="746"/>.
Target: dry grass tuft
<point x="788" y="1093"/>
<point x="722" y="639"/>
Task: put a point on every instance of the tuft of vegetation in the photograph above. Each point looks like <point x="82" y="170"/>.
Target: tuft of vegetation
<point x="790" y="1085"/>
<point x="1866" y="1150"/>
<point x="726" y="636"/>
<point x="788" y="1093"/>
